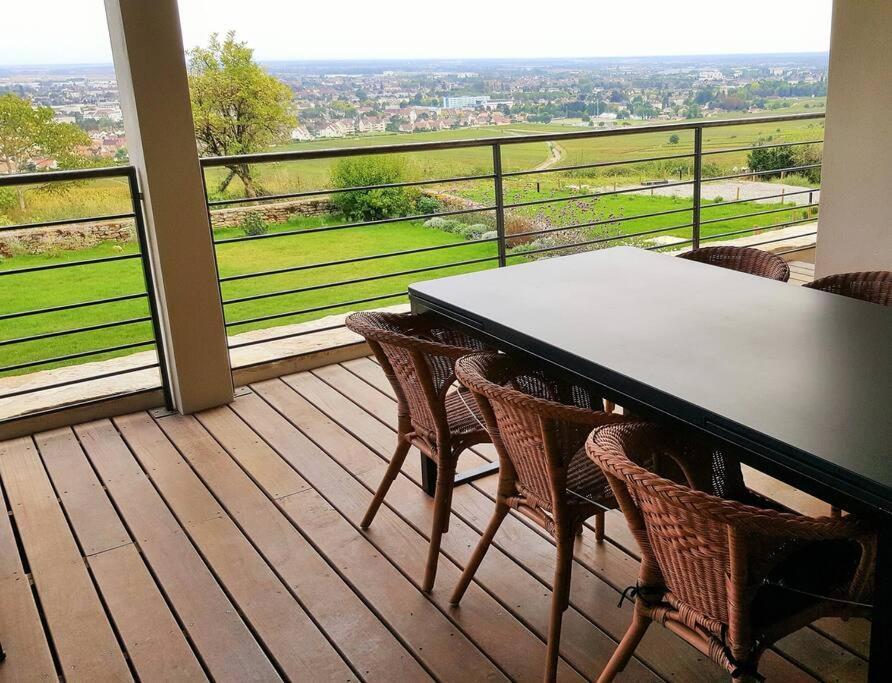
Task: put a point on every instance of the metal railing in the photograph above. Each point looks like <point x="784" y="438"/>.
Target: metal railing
<point x="62" y="339"/>
<point x="504" y="251"/>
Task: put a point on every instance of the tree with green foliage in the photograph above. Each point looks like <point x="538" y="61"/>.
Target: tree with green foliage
<point x="762" y="160"/>
<point x="673" y="139"/>
<point x="237" y="107"/>
<point x="28" y="132"/>
<point x="370" y="205"/>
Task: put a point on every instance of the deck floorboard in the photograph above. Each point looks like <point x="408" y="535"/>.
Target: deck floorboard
<point x="229" y="541"/>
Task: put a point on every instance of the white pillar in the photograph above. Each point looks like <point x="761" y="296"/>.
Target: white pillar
<point x="147" y="46"/>
<point x="855" y="226"/>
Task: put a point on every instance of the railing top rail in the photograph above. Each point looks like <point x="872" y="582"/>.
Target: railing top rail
<point x="62" y="176"/>
<point x="328" y="153"/>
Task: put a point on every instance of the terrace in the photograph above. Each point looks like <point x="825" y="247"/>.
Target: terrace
<point x="188" y="446"/>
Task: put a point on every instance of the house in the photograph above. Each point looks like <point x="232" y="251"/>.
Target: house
<point x="188" y="503"/>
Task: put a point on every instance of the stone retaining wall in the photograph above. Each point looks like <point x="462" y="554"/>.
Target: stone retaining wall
<point x="85" y="235"/>
<point x="65" y="237"/>
<point x="277" y="212"/>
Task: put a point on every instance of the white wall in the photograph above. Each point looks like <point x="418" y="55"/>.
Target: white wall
<point x="855" y="230"/>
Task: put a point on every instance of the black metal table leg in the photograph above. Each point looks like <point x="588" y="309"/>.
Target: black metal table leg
<point x="429" y="474"/>
<point x="880" y="666"/>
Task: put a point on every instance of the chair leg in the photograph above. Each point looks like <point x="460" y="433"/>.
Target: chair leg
<point x="396" y="463"/>
<point x="560" y="600"/>
<point x="626" y="648"/>
<point x="599" y="526"/>
<point x="442" y="496"/>
<point x="479" y="552"/>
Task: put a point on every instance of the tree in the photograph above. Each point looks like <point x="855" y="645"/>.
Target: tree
<point x="27" y="132"/>
<point x="766" y="159"/>
<point x="673" y="139"/>
<point x="237" y="107"/>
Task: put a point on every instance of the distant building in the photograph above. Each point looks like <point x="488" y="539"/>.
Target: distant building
<point x="464" y="101"/>
<point x="301" y="133"/>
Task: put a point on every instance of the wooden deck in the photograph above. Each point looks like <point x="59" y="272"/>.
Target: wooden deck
<point x="226" y="546"/>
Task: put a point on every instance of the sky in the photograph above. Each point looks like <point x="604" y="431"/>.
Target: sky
<point x="74" y="31"/>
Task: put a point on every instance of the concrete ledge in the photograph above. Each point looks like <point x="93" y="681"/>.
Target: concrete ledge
<point x="269" y="356"/>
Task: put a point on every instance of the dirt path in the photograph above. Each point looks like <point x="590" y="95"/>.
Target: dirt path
<point x="555" y="154"/>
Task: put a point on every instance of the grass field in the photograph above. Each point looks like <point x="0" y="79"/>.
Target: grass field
<point x="314" y="174"/>
<point x="83" y="283"/>
<point x="99" y="197"/>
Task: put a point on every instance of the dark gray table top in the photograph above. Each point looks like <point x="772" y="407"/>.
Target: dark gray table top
<point x="798" y="376"/>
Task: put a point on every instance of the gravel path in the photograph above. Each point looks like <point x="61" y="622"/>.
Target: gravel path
<point x="733" y="190"/>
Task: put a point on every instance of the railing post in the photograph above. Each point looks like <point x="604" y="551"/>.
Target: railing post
<point x="151" y="291"/>
<point x="698" y="182"/>
<point x="500" y="203"/>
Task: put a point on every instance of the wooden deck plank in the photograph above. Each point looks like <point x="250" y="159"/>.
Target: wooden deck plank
<point x="285" y="476"/>
<point x="82" y="635"/>
<point x="585" y="646"/>
<point x="604" y="560"/>
<point x="412" y="615"/>
<point x="226" y="646"/>
<point x="669" y="657"/>
<point x="142" y="617"/>
<point x="21" y="632"/>
<point x="367" y="643"/>
<point x="278" y="619"/>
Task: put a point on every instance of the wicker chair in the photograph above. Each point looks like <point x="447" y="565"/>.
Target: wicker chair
<point x="725" y="569"/>
<point x="742" y="259"/>
<point x="418" y="356"/>
<point x="874" y="287"/>
<point x="539" y="424"/>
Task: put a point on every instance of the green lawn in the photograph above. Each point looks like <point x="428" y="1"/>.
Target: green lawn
<point x="627" y="206"/>
<point x="84" y="283"/>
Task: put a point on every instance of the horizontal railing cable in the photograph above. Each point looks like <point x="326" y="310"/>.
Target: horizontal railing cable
<point x="357" y="224"/>
<point x="67" y="221"/>
<point x="69" y="264"/>
<point x="340" y="190"/>
<point x="79" y="354"/>
<point x="358" y="280"/>
<point x="355" y="259"/>
<point x="314" y="309"/>
<point x="75" y="330"/>
<point x="79" y="380"/>
<point x="74" y="306"/>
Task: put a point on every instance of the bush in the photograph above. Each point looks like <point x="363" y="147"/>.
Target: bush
<point x="8" y="199"/>
<point x="673" y="139"/>
<point x="426" y="204"/>
<point x="253" y="224"/>
<point x="436" y="222"/>
<point x="370" y="205"/>
<point x="770" y="159"/>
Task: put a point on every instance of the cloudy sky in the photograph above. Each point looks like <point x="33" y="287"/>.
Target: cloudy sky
<point x="73" y="31"/>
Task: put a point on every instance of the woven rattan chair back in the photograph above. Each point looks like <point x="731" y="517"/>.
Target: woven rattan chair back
<point x="742" y="259"/>
<point x="874" y="287"/>
<point x="538" y="422"/>
<point x="418" y="355"/>
<point x="707" y="549"/>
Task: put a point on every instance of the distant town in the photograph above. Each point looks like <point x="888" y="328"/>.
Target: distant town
<point x="344" y="99"/>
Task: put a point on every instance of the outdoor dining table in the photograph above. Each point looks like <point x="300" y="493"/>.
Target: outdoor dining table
<point x="799" y="379"/>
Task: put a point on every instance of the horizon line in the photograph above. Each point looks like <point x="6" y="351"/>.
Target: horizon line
<point x="318" y="60"/>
